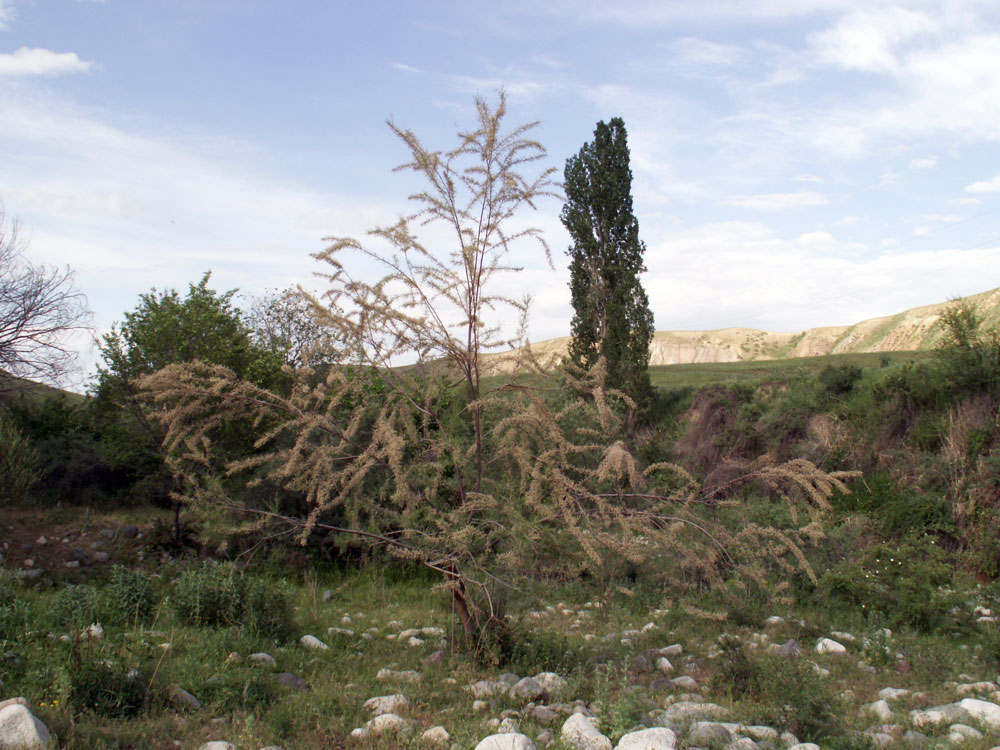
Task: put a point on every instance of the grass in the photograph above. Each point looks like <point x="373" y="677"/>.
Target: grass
<point x="712" y="373"/>
<point x="243" y="703"/>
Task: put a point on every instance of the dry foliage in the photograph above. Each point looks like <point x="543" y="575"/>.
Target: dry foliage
<point x="480" y="481"/>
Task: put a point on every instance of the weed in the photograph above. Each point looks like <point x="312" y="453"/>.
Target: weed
<point x="130" y="596"/>
<point x="107" y="688"/>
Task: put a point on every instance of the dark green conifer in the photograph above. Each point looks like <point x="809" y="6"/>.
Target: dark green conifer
<point x="611" y="311"/>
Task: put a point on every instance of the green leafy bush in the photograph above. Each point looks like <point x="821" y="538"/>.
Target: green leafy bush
<point x="838" y="381"/>
<point x="130" y="596"/>
<point x="898" y="509"/>
<point x="784" y="693"/>
<point x="218" y="594"/>
<point x="900" y="585"/>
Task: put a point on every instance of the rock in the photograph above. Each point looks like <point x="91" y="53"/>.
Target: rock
<point x="387" y="704"/>
<point x="479" y="706"/>
<point x="880" y="740"/>
<point x="22" y="730"/>
<point x="692" y="711"/>
<point x="129" y="531"/>
<point x="436" y="736"/>
<point x="527" y="689"/>
<point x="657" y="738"/>
<point x="916" y="740"/>
<point x="508" y="741"/>
<point x="181" y="698"/>
<point x="509" y="725"/>
<point x="552" y="682"/>
<point x="94" y="631"/>
<point x="932" y="717"/>
<point x="759" y="733"/>
<point x="327" y="596"/>
<point x="893" y="694"/>
<point x="41" y="540"/>
<point x="788" y="739"/>
<point x="579" y="732"/>
<point x="488" y="688"/>
<point x="260" y="659"/>
<point x="436" y="659"/>
<point x="406" y="675"/>
<point x="774" y="620"/>
<point x="544" y="738"/>
<point x="708" y="734"/>
<point x="790" y="649"/>
<point x="389" y="724"/>
<point x="292" y="680"/>
<point x="312" y="642"/>
<point x="842" y="636"/>
<point x="80" y="556"/>
<point x="340" y="631"/>
<point x="640" y="664"/>
<point x="986" y="713"/>
<point x="685" y="682"/>
<point x="663" y="664"/>
<point x="804" y="746"/>
<point x="828" y="646"/>
<point x="218" y="745"/>
<point x="959" y="733"/>
<point x="974" y="688"/>
<point x="661" y="685"/>
<point x="673" y="651"/>
<point x="101" y="556"/>
<point x="880" y="709"/>
<point x="542" y="714"/>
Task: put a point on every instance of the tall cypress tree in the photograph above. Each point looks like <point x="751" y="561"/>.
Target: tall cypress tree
<point x="611" y="311"/>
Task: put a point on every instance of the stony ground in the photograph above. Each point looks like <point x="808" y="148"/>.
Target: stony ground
<point x="376" y="666"/>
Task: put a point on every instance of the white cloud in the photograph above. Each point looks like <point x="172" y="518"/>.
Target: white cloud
<point x="926" y="162"/>
<point x="762" y="279"/>
<point x="34" y="61"/>
<point x="984" y="186"/>
<point x="691" y="51"/>
<point x="779" y="201"/>
<point x="403" y="67"/>
<point x="869" y="39"/>
<point x="6" y="14"/>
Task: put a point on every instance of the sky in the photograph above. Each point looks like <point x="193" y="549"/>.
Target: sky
<point x="797" y="163"/>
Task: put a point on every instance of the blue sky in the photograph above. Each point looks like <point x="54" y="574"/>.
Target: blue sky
<point x="797" y="162"/>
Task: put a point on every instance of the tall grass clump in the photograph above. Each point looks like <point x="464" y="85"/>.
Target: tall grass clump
<point x="130" y="596"/>
<point x="219" y="594"/>
<point x="18" y="462"/>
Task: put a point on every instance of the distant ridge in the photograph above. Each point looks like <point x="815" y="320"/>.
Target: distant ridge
<point x="910" y="330"/>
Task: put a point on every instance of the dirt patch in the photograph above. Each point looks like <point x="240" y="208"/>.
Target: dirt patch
<point x="49" y="539"/>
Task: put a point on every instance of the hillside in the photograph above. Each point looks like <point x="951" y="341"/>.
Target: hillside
<point x="911" y="330"/>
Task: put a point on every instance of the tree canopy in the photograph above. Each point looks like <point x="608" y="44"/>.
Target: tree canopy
<point x="611" y="316"/>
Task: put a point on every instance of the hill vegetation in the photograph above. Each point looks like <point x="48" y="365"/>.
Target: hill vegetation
<point x="917" y="329"/>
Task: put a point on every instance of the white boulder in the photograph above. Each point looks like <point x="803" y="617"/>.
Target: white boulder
<point x="22" y="730"/>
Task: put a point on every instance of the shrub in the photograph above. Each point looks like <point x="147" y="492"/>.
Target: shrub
<point x="108" y="689"/>
<point x="130" y="596"/>
<point x="838" y="381"/>
<point x="899" y="509"/>
<point x="216" y="594"/>
<point x="899" y="585"/>
<point x="18" y="462"/>
<point x="541" y="651"/>
<point x="15" y="618"/>
<point x="785" y="693"/>
<point x="76" y="606"/>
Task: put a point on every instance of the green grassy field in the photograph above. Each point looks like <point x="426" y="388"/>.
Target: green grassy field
<point x="711" y="373"/>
